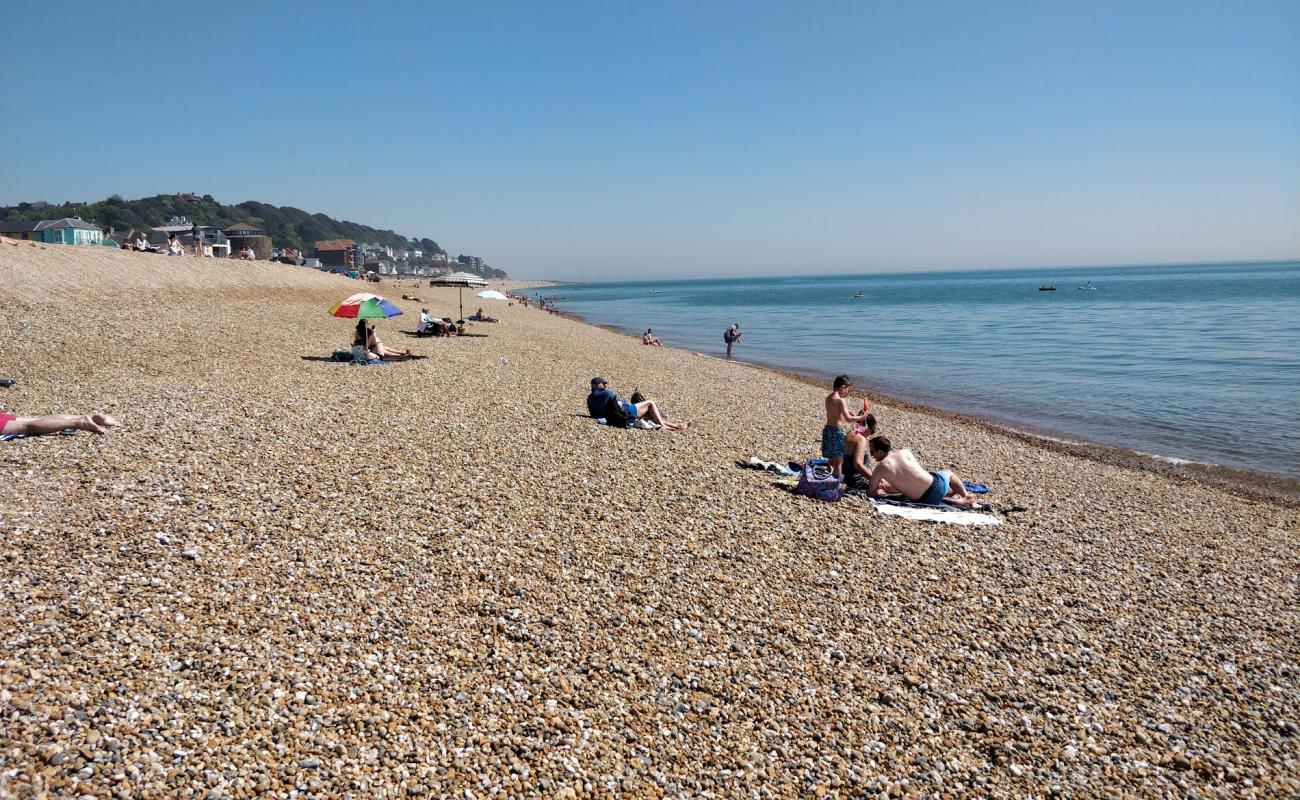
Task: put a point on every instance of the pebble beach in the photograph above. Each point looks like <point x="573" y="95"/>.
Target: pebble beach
<point x="290" y="578"/>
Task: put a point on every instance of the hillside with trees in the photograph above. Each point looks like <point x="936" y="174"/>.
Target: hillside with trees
<point x="287" y="226"/>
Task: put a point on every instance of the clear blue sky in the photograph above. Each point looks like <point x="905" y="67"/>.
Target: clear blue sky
<point x="613" y="140"/>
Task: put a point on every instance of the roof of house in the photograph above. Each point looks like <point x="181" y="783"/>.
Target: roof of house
<point x="17" y="226"/>
<point x="244" y="230"/>
<point x="66" y="222"/>
<point x="336" y="244"/>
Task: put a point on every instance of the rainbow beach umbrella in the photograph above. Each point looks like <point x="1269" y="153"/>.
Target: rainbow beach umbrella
<point x="365" y="306"/>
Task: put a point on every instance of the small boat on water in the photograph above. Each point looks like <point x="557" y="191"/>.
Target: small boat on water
<point x="859" y="296"/>
<point x="1089" y="287"/>
<point x="654" y="291"/>
<point x="1046" y="288"/>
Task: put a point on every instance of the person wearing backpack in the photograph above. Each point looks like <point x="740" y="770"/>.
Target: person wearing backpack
<point x="730" y="336"/>
<point x="618" y="413"/>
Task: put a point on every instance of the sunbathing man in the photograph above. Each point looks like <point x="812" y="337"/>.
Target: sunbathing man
<point x="837" y="413"/>
<point x="905" y="474"/>
<point x="648" y="409"/>
<point x="53" y="423"/>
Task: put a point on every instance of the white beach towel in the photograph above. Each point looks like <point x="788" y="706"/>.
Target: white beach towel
<point x="935" y="514"/>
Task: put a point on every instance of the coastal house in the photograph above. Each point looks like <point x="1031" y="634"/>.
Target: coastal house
<point x="69" y="230"/>
<point x="337" y="253"/>
<point x="18" y="229"/>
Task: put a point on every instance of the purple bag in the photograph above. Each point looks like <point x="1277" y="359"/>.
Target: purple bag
<point x="817" y="481"/>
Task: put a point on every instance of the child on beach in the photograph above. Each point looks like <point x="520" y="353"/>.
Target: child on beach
<point x="837" y="413"/>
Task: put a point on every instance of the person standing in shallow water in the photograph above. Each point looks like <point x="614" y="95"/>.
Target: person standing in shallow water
<point x="731" y="336"/>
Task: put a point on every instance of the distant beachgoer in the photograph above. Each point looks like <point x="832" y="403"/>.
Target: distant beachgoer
<point x="174" y="246"/>
<point x="142" y="242"/>
<point x="197" y="233"/>
<point x="837" y="413"/>
<point x="481" y="317"/>
<point x="53" y="423"/>
<point x="906" y="475"/>
<point x="731" y="336"/>
<point x="601" y="395"/>
<point x="649" y="338"/>
<point x="246" y="253"/>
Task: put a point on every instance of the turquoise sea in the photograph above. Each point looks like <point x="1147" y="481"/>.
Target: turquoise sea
<point x="1192" y="362"/>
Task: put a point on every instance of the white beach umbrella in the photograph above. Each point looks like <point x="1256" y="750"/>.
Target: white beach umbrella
<point x="491" y="294"/>
<point x="460" y="280"/>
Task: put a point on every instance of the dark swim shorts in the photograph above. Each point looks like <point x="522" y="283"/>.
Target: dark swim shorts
<point x="832" y="442"/>
<point x="937" y="491"/>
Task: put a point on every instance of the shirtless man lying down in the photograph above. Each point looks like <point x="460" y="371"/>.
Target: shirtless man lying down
<point x="905" y="474"/>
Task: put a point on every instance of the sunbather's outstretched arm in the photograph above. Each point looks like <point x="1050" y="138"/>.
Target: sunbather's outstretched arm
<point x="38" y="426"/>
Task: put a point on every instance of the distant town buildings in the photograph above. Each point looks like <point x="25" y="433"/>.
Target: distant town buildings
<point x="336" y="253"/>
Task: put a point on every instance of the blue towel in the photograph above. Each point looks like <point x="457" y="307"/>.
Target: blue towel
<point x="977" y="488"/>
<point x="11" y="437"/>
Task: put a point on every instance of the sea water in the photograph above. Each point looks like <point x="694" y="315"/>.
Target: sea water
<point x="1193" y="362"/>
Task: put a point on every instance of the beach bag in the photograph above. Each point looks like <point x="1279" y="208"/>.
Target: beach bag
<point x="817" y="481"/>
<point x="615" y="416"/>
<point x="636" y="397"/>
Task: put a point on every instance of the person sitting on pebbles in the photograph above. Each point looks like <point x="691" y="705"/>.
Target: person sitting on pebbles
<point x="375" y="349"/>
<point x="902" y="472"/>
<point x="647" y="409"/>
<point x="53" y="423"/>
<point x="649" y="338"/>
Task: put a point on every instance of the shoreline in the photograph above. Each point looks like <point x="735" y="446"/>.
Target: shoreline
<point x="1263" y="486"/>
<point x="315" y="574"/>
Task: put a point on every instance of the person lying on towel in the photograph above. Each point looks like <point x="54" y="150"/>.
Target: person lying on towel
<point x="905" y="474"/>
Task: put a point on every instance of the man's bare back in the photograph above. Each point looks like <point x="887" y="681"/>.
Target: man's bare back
<point x="903" y="472"/>
<point x="900" y="470"/>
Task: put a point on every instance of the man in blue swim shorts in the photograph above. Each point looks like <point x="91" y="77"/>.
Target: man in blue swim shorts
<point x="837" y="414"/>
<point x="899" y="471"/>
